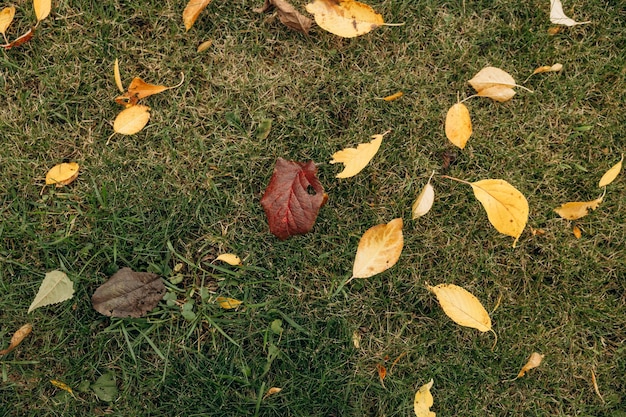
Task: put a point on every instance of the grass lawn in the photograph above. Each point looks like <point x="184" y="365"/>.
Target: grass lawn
<point x="187" y="188"/>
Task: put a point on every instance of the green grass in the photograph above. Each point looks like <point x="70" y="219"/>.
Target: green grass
<point x="187" y="188"/>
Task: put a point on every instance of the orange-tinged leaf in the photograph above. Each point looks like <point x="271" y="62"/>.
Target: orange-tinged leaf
<point x="577" y="209"/>
<point x="42" y="8"/>
<point x="228" y="303"/>
<point x="458" y="125"/>
<point x="192" y="11"/>
<point x="117" y="76"/>
<point x="6" y="17"/>
<point x="394" y="96"/>
<point x="577" y="232"/>
<point x="462" y="306"/>
<point x="610" y="175"/>
<point x="533" y="362"/>
<point x="229" y="258"/>
<point x="345" y="18"/>
<point x="142" y="89"/>
<point x="61" y="385"/>
<point x="423" y="401"/>
<point x="382" y="371"/>
<point x="21" y="40"/>
<point x="62" y="174"/>
<point x="558" y="17"/>
<point x="548" y="68"/>
<point x="355" y="159"/>
<point x="204" y="46"/>
<point x="17" y="338"/>
<point x="272" y="391"/>
<point x="131" y="120"/>
<point x="379" y="249"/>
<point x="498" y="93"/>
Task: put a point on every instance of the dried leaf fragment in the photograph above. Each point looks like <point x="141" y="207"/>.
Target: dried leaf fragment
<point x="62" y="385"/>
<point x="458" y="125"/>
<point x="394" y="96"/>
<point x="272" y="391"/>
<point x="204" y="46"/>
<point x="577" y="232"/>
<point x="6" y="17"/>
<point x="132" y="120"/>
<point x="423" y="401"/>
<point x="533" y="362"/>
<point x="379" y="249"/>
<point x="424" y="201"/>
<point x="610" y="175"/>
<point x="117" y="76"/>
<point x="17" y="338"/>
<point x="192" y="11"/>
<point x="594" y="381"/>
<point x="558" y="17"/>
<point x="355" y="159"/>
<point x="21" y="40"/>
<point x="345" y="18"/>
<point x="462" y="306"/>
<point x="62" y="174"/>
<point x="577" y="209"/>
<point x="228" y="303"/>
<point x="42" y="8"/>
<point x="288" y="15"/>
<point x="229" y="258"/>
<point x="54" y="288"/>
<point x="382" y="372"/>
<point x="548" y="68"/>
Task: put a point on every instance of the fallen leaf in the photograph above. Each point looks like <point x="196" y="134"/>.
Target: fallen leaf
<point x="423" y="401"/>
<point x="132" y="120"/>
<point x="498" y="93"/>
<point x="117" y="76"/>
<point x="192" y="11"/>
<point x="577" y="232"/>
<point x="494" y="83"/>
<point x="379" y="249"/>
<point x="17" y="338"/>
<point x="577" y="209"/>
<point x="204" y="46"/>
<point x="128" y="294"/>
<point x="228" y="303"/>
<point x="548" y="68"/>
<point x="42" y="8"/>
<point x="62" y="385"/>
<point x="288" y="15"/>
<point x="594" y="381"/>
<point x="272" y="391"/>
<point x="356" y="339"/>
<point x="610" y="175"/>
<point x="537" y="232"/>
<point x="458" y="125"/>
<point x="394" y="96"/>
<point x="345" y="18"/>
<point x="382" y="372"/>
<point x="293" y="198"/>
<point x="355" y="159"/>
<point x="6" y="17"/>
<point x="229" y="258"/>
<point x="424" y="201"/>
<point x="62" y="174"/>
<point x="533" y="362"/>
<point x="558" y="17"/>
<point x="554" y="30"/>
<point x="462" y="306"/>
<point x="54" y="288"/>
<point x="21" y="40"/>
<point x="105" y="387"/>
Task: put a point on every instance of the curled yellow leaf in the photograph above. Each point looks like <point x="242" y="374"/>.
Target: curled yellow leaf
<point x="462" y="306"/>
<point x="355" y="159"/>
<point x="62" y="174"/>
<point x="229" y="258"/>
<point x="610" y="175"/>
<point x="131" y="120"/>
<point x="576" y="209"/>
<point x="17" y="338"/>
<point x="117" y="76"/>
<point x="548" y="68"/>
<point x="424" y="201"/>
<point x="272" y="391"/>
<point x="192" y="11"/>
<point x="42" y="8"/>
<point x="533" y="362"/>
<point x="6" y="17"/>
<point x="228" y="303"/>
<point x="394" y="96"/>
<point x="458" y="125"/>
<point x="423" y="401"/>
<point x="379" y="249"/>
<point x="345" y="18"/>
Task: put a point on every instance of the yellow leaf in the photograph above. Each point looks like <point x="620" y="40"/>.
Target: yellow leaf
<point x="379" y="249"/>
<point x="558" y="17"/>
<point x="577" y="209"/>
<point x="42" y="8"/>
<point x="229" y="258"/>
<point x="462" y="307"/>
<point x="355" y="159"/>
<point x="62" y="174"/>
<point x="17" y="338"/>
<point x="610" y="175"/>
<point x="424" y="201"/>
<point x="54" y="288"/>
<point x="577" y="232"/>
<point x="204" y="46"/>
<point x="272" y="391"/>
<point x="228" y="303"/>
<point x="116" y="74"/>
<point x="594" y="381"/>
<point x="394" y="96"/>
<point x="458" y="125"/>
<point x="345" y="18"/>
<point x="548" y="68"/>
<point x="62" y="385"/>
<point x="6" y="17"/>
<point x="423" y="401"/>
<point x="490" y="77"/>
<point x="192" y="11"/>
<point x="131" y="120"/>
<point x="498" y="93"/>
<point x="533" y="362"/>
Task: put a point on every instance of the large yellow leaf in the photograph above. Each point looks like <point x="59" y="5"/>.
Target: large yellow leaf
<point x="62" y="174"/>
<point x="379" y="249"/>
<point x="462" y="306"/>
<point x="131" y="120"/>
<point x="610" y="175"/>
<point x="6" y="17"/>
<point x="458" y="125"/>
<point x="345" y="18"/>
<point x="55" y="287"/>
<point x="423" y="401"/>
<point x="42" y="8"/>
<point x="192" y="11"/>
<point x="355" y="159"/>
<point x="577" y="209"/>
<point x="558" y="17"/>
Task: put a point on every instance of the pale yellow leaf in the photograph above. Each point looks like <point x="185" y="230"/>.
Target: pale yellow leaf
<point x="498" y="93"/>
<point x="229" y="258"/>
<point x="62" y="174"/>
<point x="6" y="17"/>
<point x="506" y="207"/>
<point x="55" y="287"/>
<point x="458" y="125"/>
<point x="379" y="249"/>
<point x="131" y="120"/>
<point x="423" y="401"/>
<point x="228" y="303"/>
<point x="192" y="11"/>
<point x="118" y="77"/>
<point x="272" y="391"/>
<point x="462" y="306"/>
<point x="533" y="362"/>
<point x="610" y="175"/>
<point x="355" y="159"/>
<point x="17" y="338"/>
<point x="42" y="8"/>
<point x="490" y="77"/>
<point x="577" y="209"/>
<point x="204" y="46"/>
<point x="424" y="201"/>
<point x="345" y="18"/>
<point x="558" y="17"/>
<point x="548" y="68"/>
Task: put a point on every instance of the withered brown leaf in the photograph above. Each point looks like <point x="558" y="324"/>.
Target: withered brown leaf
<point x="288" y="15"/>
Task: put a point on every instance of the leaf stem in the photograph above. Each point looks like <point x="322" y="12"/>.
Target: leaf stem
<point x="456" y="179"/>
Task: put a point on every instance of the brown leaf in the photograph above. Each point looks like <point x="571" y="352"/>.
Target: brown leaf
<point x="21" y="40"/>
<point x="293" y="198"/>
<point x="128" y="294"/>
<point x="288" y="15"/>
<point x="17" y="338"/>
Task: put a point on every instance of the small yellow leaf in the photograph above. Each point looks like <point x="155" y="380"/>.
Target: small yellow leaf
<point x="228" y="303"/>
<point x="548" y="68"/>
<point x="498" y="93"/>
<point x="424" y="201"/>
<point x="533" y="362"/>
<point x="379" y="249"/>
<point x="558" y="17"/>
<point x="55" y="288"/>
<point x="229" y="258"/>
<point x="17" y="338"/>
<point x="355" y="159"/>
<point x="594" y="381"/>
<point x="576" y="210"/>
<point x="62" y="174"/>
<point x="577" y="232"/>
<point x="42" y="8"/>
<point x="118" y="77"/>
<point x="272" y="391"/>
<point x="490" y="77"/>
<point x="131" y="120"/>
<point x="61" y="385"/>
<point x="423" y="401"/>
<point x="192" y="11"/>
<point x="458" y="125"/>
<point x="394" y="96"/>
<point x="345" y="18"/>
<point x="462" y="306"/>
<point x="6" y="17"/>
<point x="204" y="46"/>
<point x="610" y="175"/>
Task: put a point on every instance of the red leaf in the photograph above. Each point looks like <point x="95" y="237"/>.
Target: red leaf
<point x="293" y="198"/>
